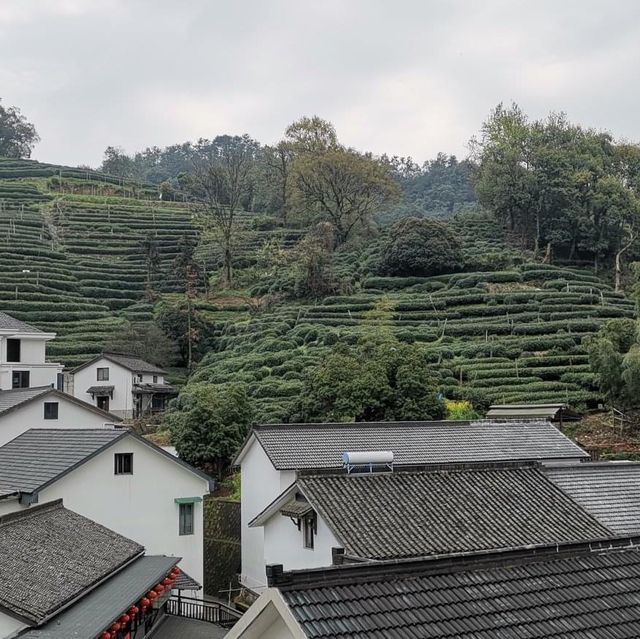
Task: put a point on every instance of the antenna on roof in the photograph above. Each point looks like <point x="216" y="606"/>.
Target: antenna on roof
<point x="367" y="461"/>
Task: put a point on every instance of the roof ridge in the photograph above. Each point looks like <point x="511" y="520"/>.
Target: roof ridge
<point x="359" y="424"/>
<point x="33" y="511"/>
<point x="384" y="570"/>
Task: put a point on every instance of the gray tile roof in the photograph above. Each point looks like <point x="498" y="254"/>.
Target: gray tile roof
<point x="134" y="364"/>
<point x="300" y="446"/>
<point x="50" y="555"/>
<point x="10" y="399"/>
<point x="94" y="613"/>
<point x="541" y="596"/>
<point x="38" y="456"/>
<point x="608" y="490"/>
<point x="413" y="514"/>
<point x="11" y="323"/>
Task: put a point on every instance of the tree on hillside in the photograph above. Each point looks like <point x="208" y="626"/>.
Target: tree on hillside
<point x="116" y="162"/>
<point x="147" y="341"/>
<point x="310" y="135"/>
<point x="420" y="247"/>
<point x="222" y="183"/>
<point x="208" y="424"/>
<point x="276" y="162"/>
<point x="614" y="355"/>
<point x="343" y="187"/>
<point x="17" y="135"/>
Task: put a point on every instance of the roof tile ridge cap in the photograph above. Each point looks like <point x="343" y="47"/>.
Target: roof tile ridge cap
<point x="33" y="511"/>
<point x="427" y="422"/>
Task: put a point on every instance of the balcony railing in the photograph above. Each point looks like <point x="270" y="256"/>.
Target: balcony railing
<point x="211" y="611"/>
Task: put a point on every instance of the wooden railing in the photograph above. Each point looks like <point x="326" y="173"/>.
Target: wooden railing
<point x="211" y="611"/>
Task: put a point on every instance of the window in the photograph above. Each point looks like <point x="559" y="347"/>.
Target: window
<point x="60" y="381"/>
<point x="20" y="379"/>
<point x="103" y="374"/>
<point x="186" y="519"/>
<point x="155" y="379"/>
<point x="51" y="410"/>
<point x="123" y="464"/>
<point x="13" y="350"/>
<point x="309" y="529"/>
<point x="139" y="377"/>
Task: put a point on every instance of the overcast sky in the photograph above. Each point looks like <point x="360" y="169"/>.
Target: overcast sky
<point x="406" y="77"/>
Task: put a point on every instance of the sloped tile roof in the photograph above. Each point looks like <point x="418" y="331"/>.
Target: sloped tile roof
<point x="540" y="596"/>
<point x="9" y="399"/>
<point x="38" y="456"/>
<point x="300" y="446"/>
<point x="11" y="323"/>
<point x="413" y="514"/>
<point x="50" y="555"/>
<point x="134" y="364"/>
<point x="608" y="490"/>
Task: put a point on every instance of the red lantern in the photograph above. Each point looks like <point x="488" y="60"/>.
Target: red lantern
<point x="152" y="595"/>
<point x="133" y="611"/>
<point x="124" y="620"/>
<point x="144" y="602"/>
<point x="166" y="581"/>
<point x="114" y="627"/>
<point x="105" y="635"/>
<point x="159" y="588"/>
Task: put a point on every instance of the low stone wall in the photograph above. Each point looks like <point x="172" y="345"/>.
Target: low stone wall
<point x="222" y="553"/>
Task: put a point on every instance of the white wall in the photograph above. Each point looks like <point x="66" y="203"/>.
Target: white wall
<point x="9" y="626"/>
<point x="32" y="359"/>
<point x="119" y="377"/>
<point x="284" y="544"/>
<point x="31" y="415"/>
<point x="261" y="483"/>
<point x="139" y="506"/>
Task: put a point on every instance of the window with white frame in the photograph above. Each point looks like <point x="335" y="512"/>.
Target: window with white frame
<point x="103" y="374"/>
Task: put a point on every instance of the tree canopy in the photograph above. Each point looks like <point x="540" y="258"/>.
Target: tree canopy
<point x="17" y="135"/>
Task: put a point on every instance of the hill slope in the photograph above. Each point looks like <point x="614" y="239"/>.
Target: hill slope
<point x="75" y="259"/>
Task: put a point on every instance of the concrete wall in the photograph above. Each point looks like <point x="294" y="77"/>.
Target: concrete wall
<point x="121" y="404"/>
<point x="140" y="506"/>
<point x="284" y="544"/>
<point x="9" y="626"/>
<point x="31" y="415"/>
<point x="261" y="483"/>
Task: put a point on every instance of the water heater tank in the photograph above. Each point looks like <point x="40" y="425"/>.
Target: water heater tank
<point x="366" y="458"/>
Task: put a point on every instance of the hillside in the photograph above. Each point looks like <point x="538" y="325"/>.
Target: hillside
<point x="75" y="259"/>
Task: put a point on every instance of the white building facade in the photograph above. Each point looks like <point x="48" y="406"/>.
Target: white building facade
<point x="23" y="362"/>
<point x="126" y="386"/>
<point x="45" y="407"/>
<point x="128" y="485"/>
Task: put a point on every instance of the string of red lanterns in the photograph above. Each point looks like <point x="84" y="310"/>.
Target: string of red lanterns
<point x="142" y="606"/>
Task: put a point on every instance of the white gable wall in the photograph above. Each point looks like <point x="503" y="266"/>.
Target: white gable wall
<point x="284" y="544"/>
<point x="140" y="506"/>
<point x="9" y="626"/>
<point x="261" y="483"/>
<point x="31" y="415"/>
<point x="121" y="378"/>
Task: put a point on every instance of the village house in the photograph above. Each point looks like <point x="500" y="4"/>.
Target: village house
<point x="558" y="590"/>
<point x="46" y="407"/>
<point x="113" y="477"/>
<point x="274" y="455"/>
<point x="121" y="384"/>
<point x="65" y="576"/>
<point x="23" y="362"/>
<point x="323" y="518"/>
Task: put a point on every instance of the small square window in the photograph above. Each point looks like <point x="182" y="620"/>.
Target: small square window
<point x="103" y="374"/>
<point x="20" y="379"/>
<point x="185" y="517"/>
<point x="123" y="464"/>
<point x="13" y="350"/>
<point x="51" y="410"/>
<point x="309" y="530"/>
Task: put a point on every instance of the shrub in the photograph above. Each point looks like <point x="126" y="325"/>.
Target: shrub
<point x="417" y="247"/>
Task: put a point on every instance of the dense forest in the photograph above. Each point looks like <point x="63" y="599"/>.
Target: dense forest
<point x="311" y="281"/>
